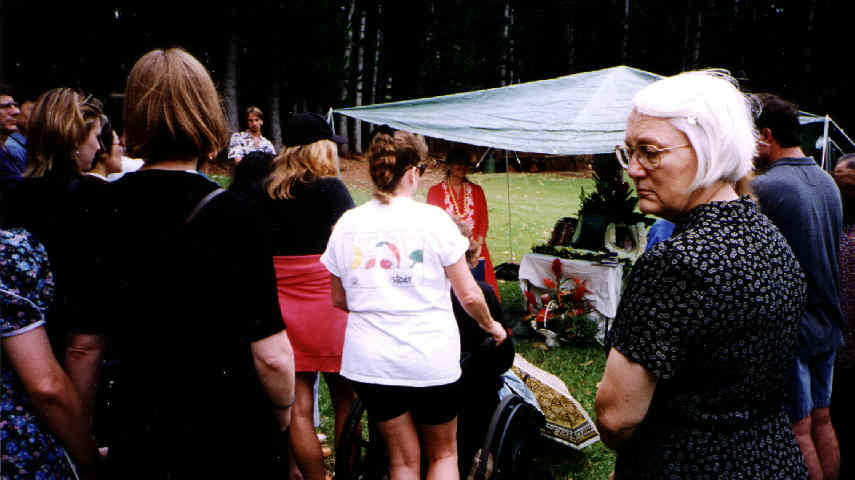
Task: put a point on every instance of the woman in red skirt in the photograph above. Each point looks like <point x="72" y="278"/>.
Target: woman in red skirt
<point x="303" y="200"/>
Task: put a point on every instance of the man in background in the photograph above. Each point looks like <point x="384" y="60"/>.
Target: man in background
<point x="11" y="168"/>
<point x="804" y="203"/>
<point x="16" y="144"/>
<point x="251" y="139"/>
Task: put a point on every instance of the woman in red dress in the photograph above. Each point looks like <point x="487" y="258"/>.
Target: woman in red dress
<point x="303" y="200"/>
<point x="462" y="198"/>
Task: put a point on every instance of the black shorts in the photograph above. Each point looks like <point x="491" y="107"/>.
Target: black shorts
<point x="428" y="405"/>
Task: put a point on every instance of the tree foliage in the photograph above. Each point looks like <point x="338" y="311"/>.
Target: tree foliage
<point x="431" y="47"/>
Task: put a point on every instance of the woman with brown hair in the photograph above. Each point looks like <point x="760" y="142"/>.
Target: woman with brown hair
<point x="205" y="381"/>
<point x="302" y="196"/>
<point x="392" y="262"/>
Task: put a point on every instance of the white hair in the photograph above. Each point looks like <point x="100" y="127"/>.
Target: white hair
<point x="714" y="114"/>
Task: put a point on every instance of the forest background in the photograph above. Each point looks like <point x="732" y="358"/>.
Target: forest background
<point x="310" y="55"/>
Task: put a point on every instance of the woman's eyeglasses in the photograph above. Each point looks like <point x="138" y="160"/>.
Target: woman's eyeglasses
<point x="421" y="168"/>
<point x="649" y="156"/>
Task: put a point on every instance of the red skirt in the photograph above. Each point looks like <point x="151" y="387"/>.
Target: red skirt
<point x="315" y="327"/>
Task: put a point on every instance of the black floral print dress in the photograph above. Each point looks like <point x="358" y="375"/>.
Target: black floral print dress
<point x="712" y="313"/>
<point x="29" y="449"/>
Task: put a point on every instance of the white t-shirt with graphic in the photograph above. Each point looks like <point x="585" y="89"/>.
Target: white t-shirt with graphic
<point x="391" y="259"/>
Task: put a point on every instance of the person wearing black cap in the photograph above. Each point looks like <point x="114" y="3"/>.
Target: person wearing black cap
<point x="302" y="195"/>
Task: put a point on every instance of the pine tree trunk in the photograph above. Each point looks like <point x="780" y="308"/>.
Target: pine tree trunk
<point x="506" y="33"/>
<point x="342" y="122"/>
<point x="378" y="47"/>
<point x="360" y="64"/>
<point x="380" y="76"/>
<point x="275" y="117"/>
<point x="512" y="65"/>
<point x="624" y="54"/>
<point x="570" y="36"/>
<point x="230" y="82"/>
<point x="807" y="63"/>
<point x="696" y="53"/>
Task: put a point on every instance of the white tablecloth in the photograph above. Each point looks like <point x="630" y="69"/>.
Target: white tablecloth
<point x="603" y="281"/>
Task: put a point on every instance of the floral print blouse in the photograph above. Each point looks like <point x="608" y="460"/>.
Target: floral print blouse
<point x="243" y="143"/>
<point x="29" y="450"/>
<point x="712" y="313"/>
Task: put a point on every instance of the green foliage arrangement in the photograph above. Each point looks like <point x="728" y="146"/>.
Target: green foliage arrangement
<point x="612" y="196"/>
<point x="569" y="253"/>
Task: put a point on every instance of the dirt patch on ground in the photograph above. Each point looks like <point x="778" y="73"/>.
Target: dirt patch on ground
<point x="354" y="171"/>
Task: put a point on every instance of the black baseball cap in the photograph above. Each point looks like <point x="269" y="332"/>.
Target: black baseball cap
<point x="305" y="128"/>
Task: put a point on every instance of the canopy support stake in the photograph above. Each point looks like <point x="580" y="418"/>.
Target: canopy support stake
<point x="508" y="183"/>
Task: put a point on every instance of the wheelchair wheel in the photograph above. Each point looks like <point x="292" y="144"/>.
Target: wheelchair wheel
<point x="515" y="443"/>
<point x="510" y="439"/>
<point x="360" y="454"/>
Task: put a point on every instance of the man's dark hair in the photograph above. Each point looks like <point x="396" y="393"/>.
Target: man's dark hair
<point x="6" y="90"/>
<point x="780" y="117"/>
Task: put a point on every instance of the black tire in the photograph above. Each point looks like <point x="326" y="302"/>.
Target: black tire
<point x="360" y="454"/>
<point x="510" y="439"/>
<point x="515" y="446"/>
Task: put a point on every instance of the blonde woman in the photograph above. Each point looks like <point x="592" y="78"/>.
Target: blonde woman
<point x="59" y="209"/>
<point x="302" y="201"/>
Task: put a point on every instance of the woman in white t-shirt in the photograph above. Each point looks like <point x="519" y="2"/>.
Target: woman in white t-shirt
<point x="392" y="261"/>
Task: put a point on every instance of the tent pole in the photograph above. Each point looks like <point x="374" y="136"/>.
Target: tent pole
<point x="824" y="141"/>
<point x="482" y="156"/>
<point x="329" y="119"/>
<point x="508" y="183"/>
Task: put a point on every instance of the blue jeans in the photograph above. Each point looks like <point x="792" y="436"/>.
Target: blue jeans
<point x="809" y="387"/>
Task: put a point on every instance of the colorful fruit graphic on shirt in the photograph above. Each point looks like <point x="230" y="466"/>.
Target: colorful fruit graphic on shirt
<point x="386" y="263"/>
<point x="417" y="256"/>
<point x="357" y="258"/>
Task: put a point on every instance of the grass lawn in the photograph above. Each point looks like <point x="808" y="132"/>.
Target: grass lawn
<point x="535" y="202"/>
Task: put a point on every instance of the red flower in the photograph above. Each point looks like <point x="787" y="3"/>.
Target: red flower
<point x="549" y="283"/>
<point x="580" y="290"/>
<point x="556" y="269"/>
<point x="541" y="317"/>
<point x="532" y="301"/>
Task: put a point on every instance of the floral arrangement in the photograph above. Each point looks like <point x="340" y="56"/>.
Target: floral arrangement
<point x="564" y="311"/>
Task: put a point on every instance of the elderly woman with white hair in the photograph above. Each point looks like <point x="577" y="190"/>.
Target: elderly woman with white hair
<point x="703" y="340"/>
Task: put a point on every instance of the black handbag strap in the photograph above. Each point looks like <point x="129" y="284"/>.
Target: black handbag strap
<point x="207" y="199"/>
